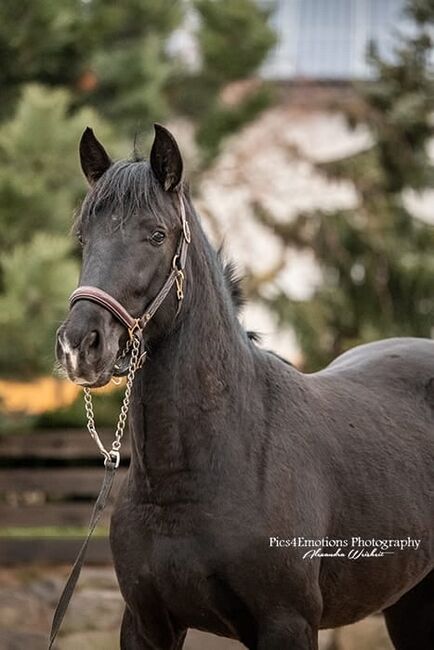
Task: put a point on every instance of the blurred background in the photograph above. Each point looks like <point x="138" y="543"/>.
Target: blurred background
<point x="306" y="127"/>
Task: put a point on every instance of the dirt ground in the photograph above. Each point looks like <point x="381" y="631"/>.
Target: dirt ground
<point x="28" y="597"/>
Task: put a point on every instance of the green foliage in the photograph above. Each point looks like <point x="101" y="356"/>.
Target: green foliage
<point x="377" y="282"/>
<point x="41" y="42"/>
<point x="40" y="183"/>
<point x="40" y="187"/>
<point x="52" y="532"/>
<point x="234" y="38"/>
<point x="33" y="301"/>
<point x="113" y="56"/>
<point x="16" y="423"/>
<point x="97" y="49"/>
<point x="105" y="64"/>
<point x="377" y="259"/>
<point x="130" y="62"/>
<point x="131" y="84"/>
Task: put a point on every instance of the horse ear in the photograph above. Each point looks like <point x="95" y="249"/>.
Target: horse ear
<point x="166" y="160"/>
<point x="93" y="157"/>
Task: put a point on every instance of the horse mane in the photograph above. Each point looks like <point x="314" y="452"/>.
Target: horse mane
<point x="234" y="283"/>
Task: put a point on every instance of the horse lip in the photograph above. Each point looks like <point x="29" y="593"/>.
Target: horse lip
<point x="122" y="365"/>
<point x="81" y="381"/>
<point x="102" y="380"/>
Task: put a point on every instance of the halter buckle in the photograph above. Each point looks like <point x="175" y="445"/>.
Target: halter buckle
<point x="186" y="231"/>
<point x="175" y="262"/>
<point x="179" y="279"/>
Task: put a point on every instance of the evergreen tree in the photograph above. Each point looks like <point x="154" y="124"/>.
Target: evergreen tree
<point x="33" y="302"/>
<point x="234" y="38"/>
<point x="377" y="259"/>
<point x="40" y="186"/>
<point x="109" y="54"/>
<point x="113" y="56"/>
<point x="98" y="57"/>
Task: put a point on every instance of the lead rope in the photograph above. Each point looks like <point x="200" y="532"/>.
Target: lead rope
<point x="111" y="463"/>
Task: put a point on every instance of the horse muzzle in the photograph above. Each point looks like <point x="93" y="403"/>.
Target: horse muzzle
<point x="87" y="346"/>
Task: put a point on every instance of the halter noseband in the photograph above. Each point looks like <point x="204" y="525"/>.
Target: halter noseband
<point x="135" y="326"/>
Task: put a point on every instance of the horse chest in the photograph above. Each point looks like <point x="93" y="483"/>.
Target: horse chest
<point x="179" y="570"/>
<point x="180" y="555"/>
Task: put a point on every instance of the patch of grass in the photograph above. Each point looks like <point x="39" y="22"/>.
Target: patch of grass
<point x="19" y="424"/>
<point x="51" y="532"/>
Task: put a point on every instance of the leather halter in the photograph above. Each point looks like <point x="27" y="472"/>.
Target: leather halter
<point x="135" y="326"/>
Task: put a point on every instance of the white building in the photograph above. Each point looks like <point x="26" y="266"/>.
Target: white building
<point x="328" y="39"/>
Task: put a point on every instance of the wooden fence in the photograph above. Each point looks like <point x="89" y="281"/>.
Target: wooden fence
<point x="48" y="483"/>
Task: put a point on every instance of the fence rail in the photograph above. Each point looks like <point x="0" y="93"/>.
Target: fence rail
<point x="48" y="483"/>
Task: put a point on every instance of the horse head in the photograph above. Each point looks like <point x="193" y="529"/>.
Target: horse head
<point x="134" y="235"/>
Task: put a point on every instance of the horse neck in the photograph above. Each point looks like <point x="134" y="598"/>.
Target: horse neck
<point x="194" y="371"/>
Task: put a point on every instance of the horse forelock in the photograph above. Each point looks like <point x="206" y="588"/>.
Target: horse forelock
<point x="127" y="188"/>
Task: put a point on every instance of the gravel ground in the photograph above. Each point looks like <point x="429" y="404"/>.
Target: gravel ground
<point x="28" y="596"/>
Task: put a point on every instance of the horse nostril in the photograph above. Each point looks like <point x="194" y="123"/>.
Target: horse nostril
<point x="94" y="339"/>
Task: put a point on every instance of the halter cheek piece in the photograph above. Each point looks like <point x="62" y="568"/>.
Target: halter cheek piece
<point x="135" y="326"/>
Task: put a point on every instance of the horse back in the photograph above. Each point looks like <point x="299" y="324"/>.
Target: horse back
<point x="403" y="364"/>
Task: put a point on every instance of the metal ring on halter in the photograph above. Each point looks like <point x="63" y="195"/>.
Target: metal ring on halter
<point x="113" y="455"/>
<point x="175" y="262"/>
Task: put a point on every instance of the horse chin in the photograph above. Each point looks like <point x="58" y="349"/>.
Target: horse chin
<point x="102" y="380"/>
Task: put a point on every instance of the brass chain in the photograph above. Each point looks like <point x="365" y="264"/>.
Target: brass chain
<point x="114" y="453"/>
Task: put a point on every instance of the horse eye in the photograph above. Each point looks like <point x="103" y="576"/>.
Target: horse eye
<point x="80" y="239"/>
<point x="158" y="237"/>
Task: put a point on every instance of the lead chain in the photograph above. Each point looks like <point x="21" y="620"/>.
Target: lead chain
<point x="114" y="453"/>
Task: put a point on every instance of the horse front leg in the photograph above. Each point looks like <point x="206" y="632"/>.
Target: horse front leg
<point x="288" y="633"/>
<point x="159" y="635"/>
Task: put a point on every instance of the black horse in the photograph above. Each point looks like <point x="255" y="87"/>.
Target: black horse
<point x="236" y="454"/>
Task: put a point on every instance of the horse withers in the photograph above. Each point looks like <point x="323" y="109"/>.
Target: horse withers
<point x="233" y="449"/>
